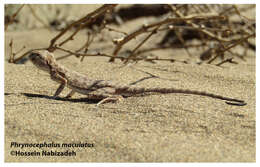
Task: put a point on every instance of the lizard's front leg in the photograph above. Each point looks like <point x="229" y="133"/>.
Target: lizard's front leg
<point x="56" y="76"/>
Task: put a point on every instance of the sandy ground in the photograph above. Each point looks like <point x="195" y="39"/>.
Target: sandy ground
<point x="154" y="128"/>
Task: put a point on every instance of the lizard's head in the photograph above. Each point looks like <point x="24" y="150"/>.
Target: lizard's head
<point x="42" y="59"/>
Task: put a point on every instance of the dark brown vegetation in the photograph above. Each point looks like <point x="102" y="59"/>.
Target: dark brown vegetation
<point x="211" y="27"/>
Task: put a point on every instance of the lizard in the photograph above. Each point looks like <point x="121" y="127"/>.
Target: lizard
<point x="102" y="90"/>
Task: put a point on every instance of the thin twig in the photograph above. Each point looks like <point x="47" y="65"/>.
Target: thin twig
<point x="36" y="16"/>
<point x="221" y="51"/>
<point x="167" y="47"/>
<point x="118" y="57"/>
<point x="89" y="42"/>
<point x="146" y="28"/>
<point x="86" y="45"/>
<point x="230" y="60"/>
<point x="115" y="30"/>
<point x="89" y="18"/>
<point x="179" y="36"/>
<point x="195" y="25"/>
<point x="240" y="15"/>
<point x="239" y="41"/>
<point x="140" y="44"/>
<point x="11" y="59"/>
<point x="13" y="17"/>
<point x="12" y="54"/>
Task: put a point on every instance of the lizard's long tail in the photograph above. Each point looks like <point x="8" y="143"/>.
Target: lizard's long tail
<point x="137" y="90"/>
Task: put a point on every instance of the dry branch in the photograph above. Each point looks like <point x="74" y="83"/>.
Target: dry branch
<point x="188" y="26"/>
<point x="11" y="20"/>
<point x="88" y="19"/>
<point x="146" y="28"/>
<point x="118" y="57"/>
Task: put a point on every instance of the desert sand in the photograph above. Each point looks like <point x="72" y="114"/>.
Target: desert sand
<point x="152" y="128"/>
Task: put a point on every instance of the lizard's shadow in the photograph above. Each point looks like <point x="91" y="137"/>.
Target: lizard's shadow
<point x="85" y="100"/>
<point x="79" y="100"/>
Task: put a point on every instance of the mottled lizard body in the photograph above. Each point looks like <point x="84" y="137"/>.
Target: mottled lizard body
<point x="101" y="89"/>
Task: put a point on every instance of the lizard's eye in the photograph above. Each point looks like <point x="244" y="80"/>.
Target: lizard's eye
<point x="33" y="56"/>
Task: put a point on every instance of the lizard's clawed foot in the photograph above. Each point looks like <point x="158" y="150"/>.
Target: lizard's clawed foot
<point x="110" y="99"/>
<point x="55" y="97"/>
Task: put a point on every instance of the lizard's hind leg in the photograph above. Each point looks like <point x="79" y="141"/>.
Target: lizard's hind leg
<point x="112" y="98"/>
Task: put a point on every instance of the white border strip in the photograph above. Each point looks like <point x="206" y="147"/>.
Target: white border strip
<point x="2" y="82"/>
<point x="98" y="2"/>
<point x="131" y="2"/>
